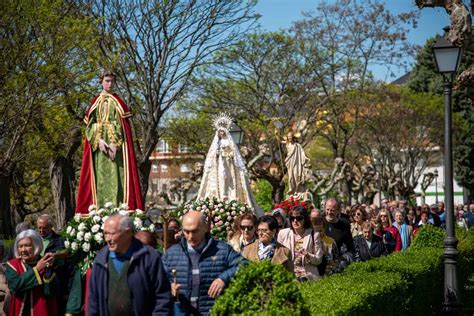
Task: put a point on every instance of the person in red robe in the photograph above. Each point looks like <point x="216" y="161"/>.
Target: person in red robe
<point x="109" y="169"/>
<point x="30" y="278"/>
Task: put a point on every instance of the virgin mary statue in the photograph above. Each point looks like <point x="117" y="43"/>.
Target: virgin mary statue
<point x="225" y="175"/>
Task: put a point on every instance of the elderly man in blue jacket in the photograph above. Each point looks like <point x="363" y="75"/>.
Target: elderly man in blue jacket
<point x="127" y="277"/>
<point x="200" y="267"/>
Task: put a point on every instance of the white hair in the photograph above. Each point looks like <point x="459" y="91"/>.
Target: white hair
<point x="125" y="221"/>
<point x="397" y="210"/>
<point x="35" y="240"/>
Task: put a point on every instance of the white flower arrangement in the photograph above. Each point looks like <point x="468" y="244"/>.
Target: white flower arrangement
<point x="84" y="235"/>
<point x="222" y="214"/>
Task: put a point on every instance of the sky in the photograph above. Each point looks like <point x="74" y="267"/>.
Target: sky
<point x="279" y="14"/>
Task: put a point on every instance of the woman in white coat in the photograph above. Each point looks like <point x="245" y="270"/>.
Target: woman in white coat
<point x="304" y="244"/>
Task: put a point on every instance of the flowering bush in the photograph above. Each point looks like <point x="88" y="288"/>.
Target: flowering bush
<point x="84" y="234"/>
<point x="291" y="202"/>
<point x="223" y="214"/>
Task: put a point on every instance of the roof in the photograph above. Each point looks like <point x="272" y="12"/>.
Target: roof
<point x="402" y="80"/>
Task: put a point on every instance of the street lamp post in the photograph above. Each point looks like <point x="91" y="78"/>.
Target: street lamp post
<point x="435" y="173"/>
<point x="237" y="133"/>
<point x="447" y="57"/>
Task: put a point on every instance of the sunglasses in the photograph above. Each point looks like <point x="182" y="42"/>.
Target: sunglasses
<point x="356" y="214"/>
<point x="297" y="218"/>
<point x="242" y="227"/>
<point x="381" y="215"/>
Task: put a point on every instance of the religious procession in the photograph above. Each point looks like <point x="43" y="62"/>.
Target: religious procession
<point x="207" y="169"/>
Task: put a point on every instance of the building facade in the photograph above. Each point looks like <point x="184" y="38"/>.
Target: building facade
<point x="169" y="164"/>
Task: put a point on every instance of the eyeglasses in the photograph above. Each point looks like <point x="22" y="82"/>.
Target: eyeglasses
<point x="297" y="218"/>
<point x="242" y="227"/>
<point x="263" y="231"/>
<point x="357" y="214"/>
<point x="382" y="215"/>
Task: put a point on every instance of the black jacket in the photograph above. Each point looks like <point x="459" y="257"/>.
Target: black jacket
<point x="362" y="251"/>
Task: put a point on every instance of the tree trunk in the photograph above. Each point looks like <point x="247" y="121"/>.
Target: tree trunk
<point x="468" y="195"/>
<point x="278" y="191"/>
<point x="143" y="174"/>
<point x="5" y="209"/>
<point x="61" y="173"/>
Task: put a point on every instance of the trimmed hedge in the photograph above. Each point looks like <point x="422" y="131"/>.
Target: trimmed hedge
<point x="421" y="269"/>
<point x="264" y="289"/>
<point x="428" y="237"/>
<point x="373" y="293"/>
<point x="409" y="282"/>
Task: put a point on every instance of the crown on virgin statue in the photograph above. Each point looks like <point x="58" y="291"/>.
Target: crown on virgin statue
<point x="222" y="120"/>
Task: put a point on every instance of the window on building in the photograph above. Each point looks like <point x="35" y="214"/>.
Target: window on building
<point x="163" y="146"/>
<point x="164" y="168"/>
<point x="154" y="168"/>
<point x="183" y="148"/>
<point x="185" y="167"/>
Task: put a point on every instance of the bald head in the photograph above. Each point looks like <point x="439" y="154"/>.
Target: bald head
<point x="331" y="209"/>
<point x="194" y="228"/>
<point x="195" y="217"/>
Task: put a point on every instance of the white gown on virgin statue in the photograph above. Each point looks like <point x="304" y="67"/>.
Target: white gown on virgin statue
<point x="225" y="175"/>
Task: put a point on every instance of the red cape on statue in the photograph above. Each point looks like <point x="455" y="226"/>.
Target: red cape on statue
<point x="87" y="194"/>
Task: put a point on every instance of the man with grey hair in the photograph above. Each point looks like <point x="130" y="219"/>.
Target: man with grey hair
<point x="127" y="277"/>
<point x="52" y="242"/>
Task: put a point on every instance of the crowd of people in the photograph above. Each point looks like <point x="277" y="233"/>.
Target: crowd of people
<point x="131" y="277"/>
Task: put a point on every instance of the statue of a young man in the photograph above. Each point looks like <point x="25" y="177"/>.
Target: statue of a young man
<point x="109" y="170"/>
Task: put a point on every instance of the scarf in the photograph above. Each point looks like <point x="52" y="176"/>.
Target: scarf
<point x="243" y="243"/>
<point x="266" y="252"/>
<point x="405" y="236"/>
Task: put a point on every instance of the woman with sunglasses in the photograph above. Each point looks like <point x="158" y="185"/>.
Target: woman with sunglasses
<point x="266" y="247"/>
<point x="358" y="217"/>
<point x="244" y="232"/>
<point x="392" y="240"/>
<point x="304" y="244"/>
